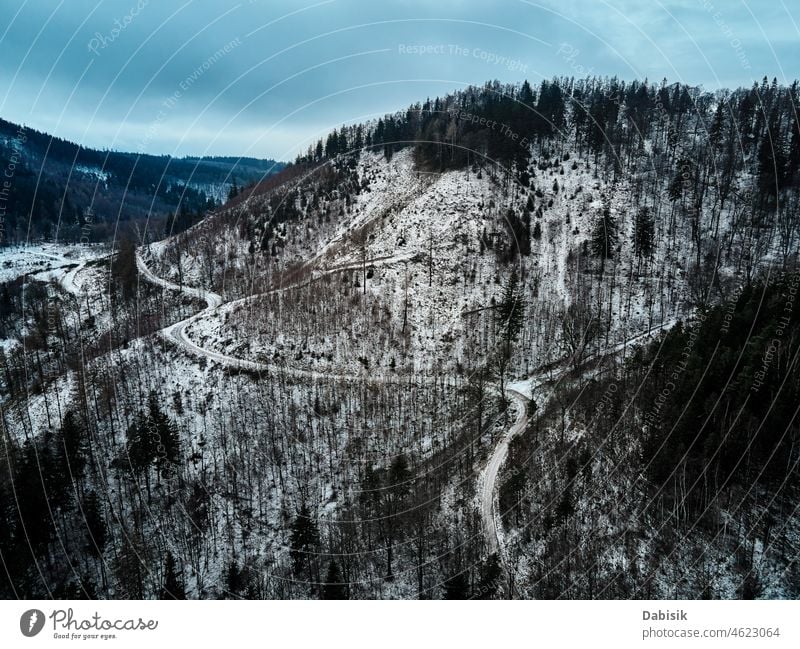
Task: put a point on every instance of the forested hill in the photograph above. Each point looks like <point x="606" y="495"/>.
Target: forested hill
<point x="680" y="128"/>
<point x="578" y="297"/>
<point x="759" y="126"/>
<point x="723" y="166"/>
<point x="62" y="190"/>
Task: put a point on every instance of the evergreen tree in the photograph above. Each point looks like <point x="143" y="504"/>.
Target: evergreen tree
<point x="173" y="585"/>
<point x="683" y="180"/>
<point x="140" y="450"/>
<point x="643" y="232"/>
<point x="124" y="270"/>
<point x="166" y="438"/>
<point x="509" y="315"/>
<point x="509" y="312"/>
<point x="332" y="145"/>
<point x="520" y="233"/>
<point x="717" y="130"/>
<point x="169" y="224"/>
<point x="394" y="496"/>
<point x="772" y="161"/>
<point x="37" y="495"/>
<point x="490" y="578"/>
<point x="358" y="142"/>
<point x="334" y="588"/>
<point x="236" y="579"/>
<point x="71" y="448"/>
<point x="96" y="529"/>
<point x="304" y="540"/>
<point x="141" y="445"/>
<point x="457" y="587"/>
<point x="234" y="190"/>
<point x="604" y="237"/>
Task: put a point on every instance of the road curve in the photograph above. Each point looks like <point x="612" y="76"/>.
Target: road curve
<point x="177" y="334"/>
<point x="491" y="519"/>
<point x="212" y="300"/>
<point x="496" y="460"/>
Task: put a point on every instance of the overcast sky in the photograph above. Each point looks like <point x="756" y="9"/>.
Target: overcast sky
<point x="266" y="77"/>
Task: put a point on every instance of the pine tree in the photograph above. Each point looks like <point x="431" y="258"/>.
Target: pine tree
<point x="394" y="497"/>
<point x="169" y="224"/>
<point x="234" y="190"/>
<point x="334" y="588"/>
<point x="643" y="233"/>
<point x="520" y="233"/>
<point x="677" y="188"/>
<point x="509" y="312"/>
<point x="772" y="160"/>
<point x="358" y="142"/>
<point x="717" y="130"/>
<point x="34" y="503"/>
<point x="139" y="450"/>
<point x="173" y="585"/>
<point x="140" y="447"/>
<point x="332" y="145"/>
<point x="71" y="448"/>
<point x="124" y="269"/>
<point x="457" y="587"/>
<point x="96" y="529"/>
<point x="166" y="438"/>
<point x="509" y="315"/>
<point x="304" y="539"/>
<point x="604" y="237"/>
<point x="490" y="578"/>
<point x="236" y="579"/>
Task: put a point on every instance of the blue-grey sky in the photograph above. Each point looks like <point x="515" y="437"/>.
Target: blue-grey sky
<point x="266" y="77"/>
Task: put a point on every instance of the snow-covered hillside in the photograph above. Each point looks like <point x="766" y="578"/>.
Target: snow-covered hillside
<point x="426" y="360"/>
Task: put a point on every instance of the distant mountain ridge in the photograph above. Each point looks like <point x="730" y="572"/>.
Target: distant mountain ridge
<point x="61" y="190"/>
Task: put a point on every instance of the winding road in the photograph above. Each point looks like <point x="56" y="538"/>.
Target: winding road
<point x="491" y="521"/>
<point x="177" y="333"/>
<point x="212" y="300"/>
<point x="491" y="526"/>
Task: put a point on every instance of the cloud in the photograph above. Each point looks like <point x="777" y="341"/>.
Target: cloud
<point x="99" y="72"/>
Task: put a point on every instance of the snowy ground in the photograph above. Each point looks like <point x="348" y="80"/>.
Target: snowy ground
<point x="45" y="261"/>
<point x="430" y="282"/>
